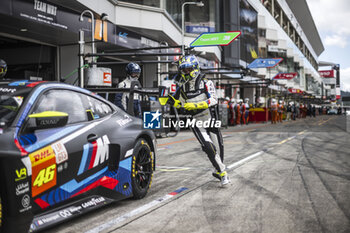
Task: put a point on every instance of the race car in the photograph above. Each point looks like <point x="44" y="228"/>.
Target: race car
<point x="65" y="151"/>
<point x="332" y="111"/>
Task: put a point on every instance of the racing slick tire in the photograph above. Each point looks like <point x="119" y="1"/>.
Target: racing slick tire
<point x="142" y="168"/>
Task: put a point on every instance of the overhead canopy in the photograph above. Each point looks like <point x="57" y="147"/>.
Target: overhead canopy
<point x="326" y="63"/>
<point x="302" y="12"/>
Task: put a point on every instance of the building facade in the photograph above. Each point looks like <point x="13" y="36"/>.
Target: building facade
<point x="39" y="41"/>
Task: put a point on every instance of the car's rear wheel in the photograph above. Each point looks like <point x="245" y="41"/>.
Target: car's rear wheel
<point x="142" y="169"/>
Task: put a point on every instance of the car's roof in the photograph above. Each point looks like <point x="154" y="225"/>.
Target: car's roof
<point x="20" y="83"/>
<point x="26" y="86"/>
<point x="16" y="87"/>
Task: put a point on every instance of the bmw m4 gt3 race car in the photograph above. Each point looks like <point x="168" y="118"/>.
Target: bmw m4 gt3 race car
<point x="65" y="151"/>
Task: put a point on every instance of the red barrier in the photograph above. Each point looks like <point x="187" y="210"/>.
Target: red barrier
<point x="258" y="115"/>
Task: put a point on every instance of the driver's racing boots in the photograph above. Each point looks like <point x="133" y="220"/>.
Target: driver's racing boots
<point x="223" y="177"/>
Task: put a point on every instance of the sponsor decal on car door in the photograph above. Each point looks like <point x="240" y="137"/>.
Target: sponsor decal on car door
<point x="44" y="174"/>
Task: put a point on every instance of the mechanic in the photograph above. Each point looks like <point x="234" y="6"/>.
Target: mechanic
<point x="294" y="111"/>
<point x="3" y="68"/>
<point x="289" y="111"/>
<point x="273" y="111"/>
<point x="238" y="112"/>
<point x="280" y="108"/>
<point x="233" y="111"/>
<point x="198" y="97"/>
<point x="246" y="111"/>
<point x="133" y="71"/>
<point x="313" y="110"/>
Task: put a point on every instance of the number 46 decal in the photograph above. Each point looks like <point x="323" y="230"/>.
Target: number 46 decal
<point x="45" y="176"/>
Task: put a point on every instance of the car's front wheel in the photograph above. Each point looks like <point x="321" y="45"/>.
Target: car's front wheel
<point x="142" y="168"/>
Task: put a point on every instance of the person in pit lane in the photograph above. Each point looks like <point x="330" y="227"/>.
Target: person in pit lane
<point x="3" y="68"/>
<point x="133" y="71"/>
<point x="197" y="95"/>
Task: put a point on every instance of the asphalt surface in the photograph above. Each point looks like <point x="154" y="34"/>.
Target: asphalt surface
<point x="289" y="177"/>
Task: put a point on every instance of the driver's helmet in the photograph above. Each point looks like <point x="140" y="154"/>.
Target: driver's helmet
<point x="3" y="68"/>
<point x="189" y="67"/>
<point x="133" y="70"/>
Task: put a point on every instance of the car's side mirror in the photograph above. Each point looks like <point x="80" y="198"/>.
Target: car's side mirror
<point x="47" y="120"/>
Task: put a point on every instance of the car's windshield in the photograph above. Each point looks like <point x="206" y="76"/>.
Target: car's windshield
<point x="9" y="107"/>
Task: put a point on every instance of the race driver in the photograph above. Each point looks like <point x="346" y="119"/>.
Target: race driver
<point x="197" y="96"/>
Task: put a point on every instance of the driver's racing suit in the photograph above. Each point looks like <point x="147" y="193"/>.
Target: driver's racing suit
<point x="199" y="90"/>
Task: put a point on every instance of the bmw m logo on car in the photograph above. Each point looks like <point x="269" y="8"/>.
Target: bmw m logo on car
<point x="94" y="154"/>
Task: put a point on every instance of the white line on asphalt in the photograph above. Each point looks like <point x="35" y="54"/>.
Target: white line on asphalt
<point x="240" y="162"/>
<point x="134" y="212"/>
<point x="143" y="208"/>
<point x="169" y="167"/>
<point x="253" y="156"/>
<point x="172" y="169"/>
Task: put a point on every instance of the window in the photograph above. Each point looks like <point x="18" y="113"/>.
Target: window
<point x="62" y="101"/>
<point x="98" y="108"/>
<point x="154" y="3"/>
<point x="262" y="32"/>
<point x="197" y="19"/>
<point x="249" y="29"/>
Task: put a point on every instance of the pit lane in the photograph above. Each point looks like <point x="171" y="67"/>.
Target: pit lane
<point x="290" y="177"/>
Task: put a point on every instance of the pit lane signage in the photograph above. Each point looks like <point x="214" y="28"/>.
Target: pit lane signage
<point x="214" y="39"/>
<point x="327" y="73"/>
<point x="41" y="11"/>
<point x="265" y="63"/>
<point x="337" y="92"/>
<point x="287" y="76"/>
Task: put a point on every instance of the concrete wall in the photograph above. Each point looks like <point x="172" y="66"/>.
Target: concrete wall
<point x="147" y="18"/>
